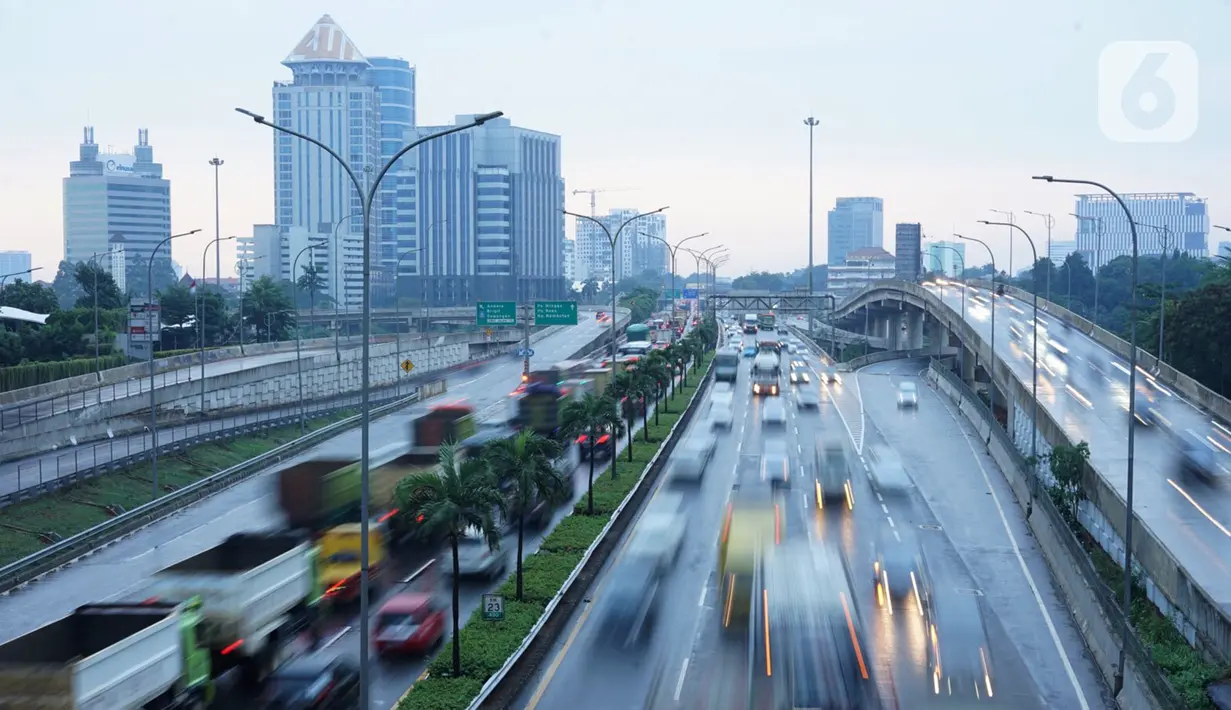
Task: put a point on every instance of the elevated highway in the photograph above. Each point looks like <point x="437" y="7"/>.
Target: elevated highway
<point x="1183" y="536"/>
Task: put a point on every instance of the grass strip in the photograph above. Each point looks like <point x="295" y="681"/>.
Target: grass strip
<point x="487" y="645"/>
<point x="24" y="526"/>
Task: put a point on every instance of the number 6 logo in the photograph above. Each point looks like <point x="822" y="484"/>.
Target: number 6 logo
<point x="1148" y="92"/>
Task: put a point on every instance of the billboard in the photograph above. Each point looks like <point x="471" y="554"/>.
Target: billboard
<point x="117" y="163"/>
<point x="144" y="323"/>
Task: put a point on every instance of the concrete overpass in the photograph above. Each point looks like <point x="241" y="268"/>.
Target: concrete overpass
<point x="1182" y="534"/>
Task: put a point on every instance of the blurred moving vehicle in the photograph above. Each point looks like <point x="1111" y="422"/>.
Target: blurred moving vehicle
<point x="807" y="398"/>
<point x="899" y="570"/>
<point x="721" y="415"/>
<point x="601" y="449"/>
<point x="691" y="457"/>
<point x="750" y="351"/>
<point x="831" y="472"/>
<point x="773" y="414"/>
<point x="776" y="463"/>
<point x="830" y="375"/>
<point x="1197" y="458"/>
<point x="476" y="558"/>
<point x="746" y="530"/>
<point x="314" y="682"/>
<point x="959" y="659"/>
<point x="799" y="374"/>
<point x="726" y="365"/>
<point x="411" y="623"/>
<point x="631" y="605"/>
<point x="887" y="471"/>
<point x="659" y="532"/>
<point x="908" y="395"/>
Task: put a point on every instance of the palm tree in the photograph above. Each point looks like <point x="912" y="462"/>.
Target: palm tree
<point x="657" y="371"/>
<point x="592" y="415"/>
<point x="527" y="462"/>
<point x="624" y="388"/>
<point x="645" y="387"/>
<point x="457" y="496"/>
<point x="679" y="355"/>
<point x="589" y="289"/>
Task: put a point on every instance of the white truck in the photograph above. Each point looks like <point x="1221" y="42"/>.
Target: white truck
<point x="258" y="593"/>
<point x="109" y="657"/>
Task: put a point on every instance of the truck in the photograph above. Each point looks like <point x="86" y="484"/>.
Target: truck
<point x="766" y="370"/>
<point x="726" y="365"/>
<point x="110" y="657"/>
<point x="638" y="333"/>
<point x="750" y="323"/>
<point x="258" y="593"/>
<point x="766" y="321"/>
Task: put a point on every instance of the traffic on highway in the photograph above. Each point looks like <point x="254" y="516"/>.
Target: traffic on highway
<point x="1183" y="456"/>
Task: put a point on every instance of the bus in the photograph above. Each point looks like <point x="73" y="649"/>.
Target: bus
<point x="726" y="365"/>
<point x="750" y="323"/>
<point x="767" y="321"/>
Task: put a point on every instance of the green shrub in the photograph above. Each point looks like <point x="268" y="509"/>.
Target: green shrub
<point x="38" y="373"/>
<point x="487" y="645"/>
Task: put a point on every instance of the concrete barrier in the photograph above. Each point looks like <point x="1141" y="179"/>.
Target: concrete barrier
<point x="1091" y="603"/>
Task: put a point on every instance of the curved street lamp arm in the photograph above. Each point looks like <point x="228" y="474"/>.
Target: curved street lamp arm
<point x="474" y="123"/>
<point x="302" y="136"/>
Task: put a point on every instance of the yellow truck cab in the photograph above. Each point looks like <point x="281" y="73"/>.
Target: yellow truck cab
<point x="338" y="554"/>
<point x="748" y="528"/>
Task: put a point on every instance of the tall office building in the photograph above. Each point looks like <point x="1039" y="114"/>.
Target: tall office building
<point x="394" y="80"/>
<point x="487" y="206"/>
<point x="949" y="258"/>
<point x="855" y="223"/>
<point x="17" y="263"/>
<point x="110" y="193"/>
<point x="332" y="98"/>
<point x="1175" y="221"/>
<point x="907" y="245"/>
<point x="635" y="253"/>
<point x="1060" y="251"/>
<point x="116" y="261"/>
<point x="570" y="261"/>
<point x="1224" y="250"/>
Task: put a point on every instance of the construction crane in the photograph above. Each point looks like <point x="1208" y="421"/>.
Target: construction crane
<point x="593" y="193"/>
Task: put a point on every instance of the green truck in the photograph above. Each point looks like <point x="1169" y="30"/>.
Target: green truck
<point x="112" y="656"/>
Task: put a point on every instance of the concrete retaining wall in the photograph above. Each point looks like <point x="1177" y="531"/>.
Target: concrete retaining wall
<point x="1099" y="628"/>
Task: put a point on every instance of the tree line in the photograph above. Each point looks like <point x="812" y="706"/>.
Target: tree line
<point x="1195" y="308"/>
<point x="268" y="307"/>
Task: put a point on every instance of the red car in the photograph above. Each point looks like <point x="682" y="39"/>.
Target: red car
<point x="410" y="623"/>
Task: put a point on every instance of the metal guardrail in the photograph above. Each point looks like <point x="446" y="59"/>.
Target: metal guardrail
<point x="57" y="554"/>
<point x="1105" y="596"/>
<point x="621" y="518"/>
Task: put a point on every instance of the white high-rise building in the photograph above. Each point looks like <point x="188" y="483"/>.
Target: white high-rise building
<point x="635" y="253"/>
<point x="117" y="261"/>
<point x="1171" y="222"/>
<point x="942" y="258"/>
<point x="15" y="262"/>
<point x="1060" y="251"/>
<point x="570" y="261"/>
<point x="330" y="98"/>
<point x="272" y="252"/>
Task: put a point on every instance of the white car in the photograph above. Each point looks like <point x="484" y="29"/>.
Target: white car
<point x="887" y="472"/>
<point x="908" y="395"/>
<point x="692" y="456"/>
<point x="476" y="559"/>
<point x="659" y="533"/>
<point x="773" y="413"/>
<point x="721" y="415"/>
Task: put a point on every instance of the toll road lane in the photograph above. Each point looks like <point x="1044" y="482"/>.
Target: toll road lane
<point x="246" y="507"/>
<point x="1192" y="520"/>
<point x="962" y="510"/>
<point x="629" y="674"/>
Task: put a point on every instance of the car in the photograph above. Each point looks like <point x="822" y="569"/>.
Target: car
<point x="721" y="415"/>
<point x="720" y="388"/>
<point x="887" y="472"/>
<point x="602" y="449"/>
<point x="476" y="558"/>
<point x="776" y="463"/>
<point x="800" y="376"/>
<point x="750" y="351"/>
<point x="908" y="395"/>
<point x="790" y="348"/>
<point x="831" y="470"/>
<point x="312" y="682"/>
<point x="898" y="569"/>
<point x="773" y="413"/>
<point x="659" y="533"/>
<point x="410" y="623"/>
<point x="630" y="606"/>
<point x="691" y="456"/>
<point x="1197" y="459"/>
<point x="830" y="375"/>
<point x="807" y="398"/>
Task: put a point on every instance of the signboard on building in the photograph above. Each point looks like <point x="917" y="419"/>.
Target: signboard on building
<point x="555" y="313"/>
<point x="144" y="322"/>
<point x="117" y="163"/>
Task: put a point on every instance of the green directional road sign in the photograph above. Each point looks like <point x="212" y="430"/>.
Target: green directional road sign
<point x="496" y="313"/>
<point x="555" y="313"/>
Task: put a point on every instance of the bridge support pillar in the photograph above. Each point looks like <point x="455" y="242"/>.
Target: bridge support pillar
<point x="968" y="365"/>
<point x="914" y="330"/>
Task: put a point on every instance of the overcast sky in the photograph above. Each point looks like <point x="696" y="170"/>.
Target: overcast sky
<point x="945" y="108"/>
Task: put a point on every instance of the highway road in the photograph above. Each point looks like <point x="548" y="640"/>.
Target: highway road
<point x="121" y="568"/>
<point x="964" y="523"/>
<point x="32" y="410"/>
<point x="1087" y="393"/>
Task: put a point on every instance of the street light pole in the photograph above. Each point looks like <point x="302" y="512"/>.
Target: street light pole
<point x="1011" y="223"/>
<point x="149" y="333"/>
<point x="1094" y="268"/>
<point x="673" y="250"/>
<point x="303" y="423"/>
<point x="217" y="163"/>
<point x="991" y="372"/>
<point x="1162" y="296"/>
<point x="1132" y="408"/>
<point x="201" y="300"/>
<point x="1050" y="222"/>
<point x="5" y="277"/>
<point x="1034" y="368"/>
<point x="336" y="262"/>
<point x="243" y="267"/>
<point x="98" y="375"/>
<point x="369" y="196"/>
<point x="397" y="309"/>
<point x="961" y="265"/>
<point x="811" y="123"/>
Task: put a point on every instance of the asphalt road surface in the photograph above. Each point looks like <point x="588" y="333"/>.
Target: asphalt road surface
<point x="972" y="533"/>
<point x="123" y="566"/>
<point x="1086" y="391"/>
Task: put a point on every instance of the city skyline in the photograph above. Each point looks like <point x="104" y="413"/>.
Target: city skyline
<point x="963" y="152"/>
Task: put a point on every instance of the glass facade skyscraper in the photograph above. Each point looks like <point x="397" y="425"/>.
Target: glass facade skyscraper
<point x="1182" y="214"/>
<point x="855" y="223"/>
